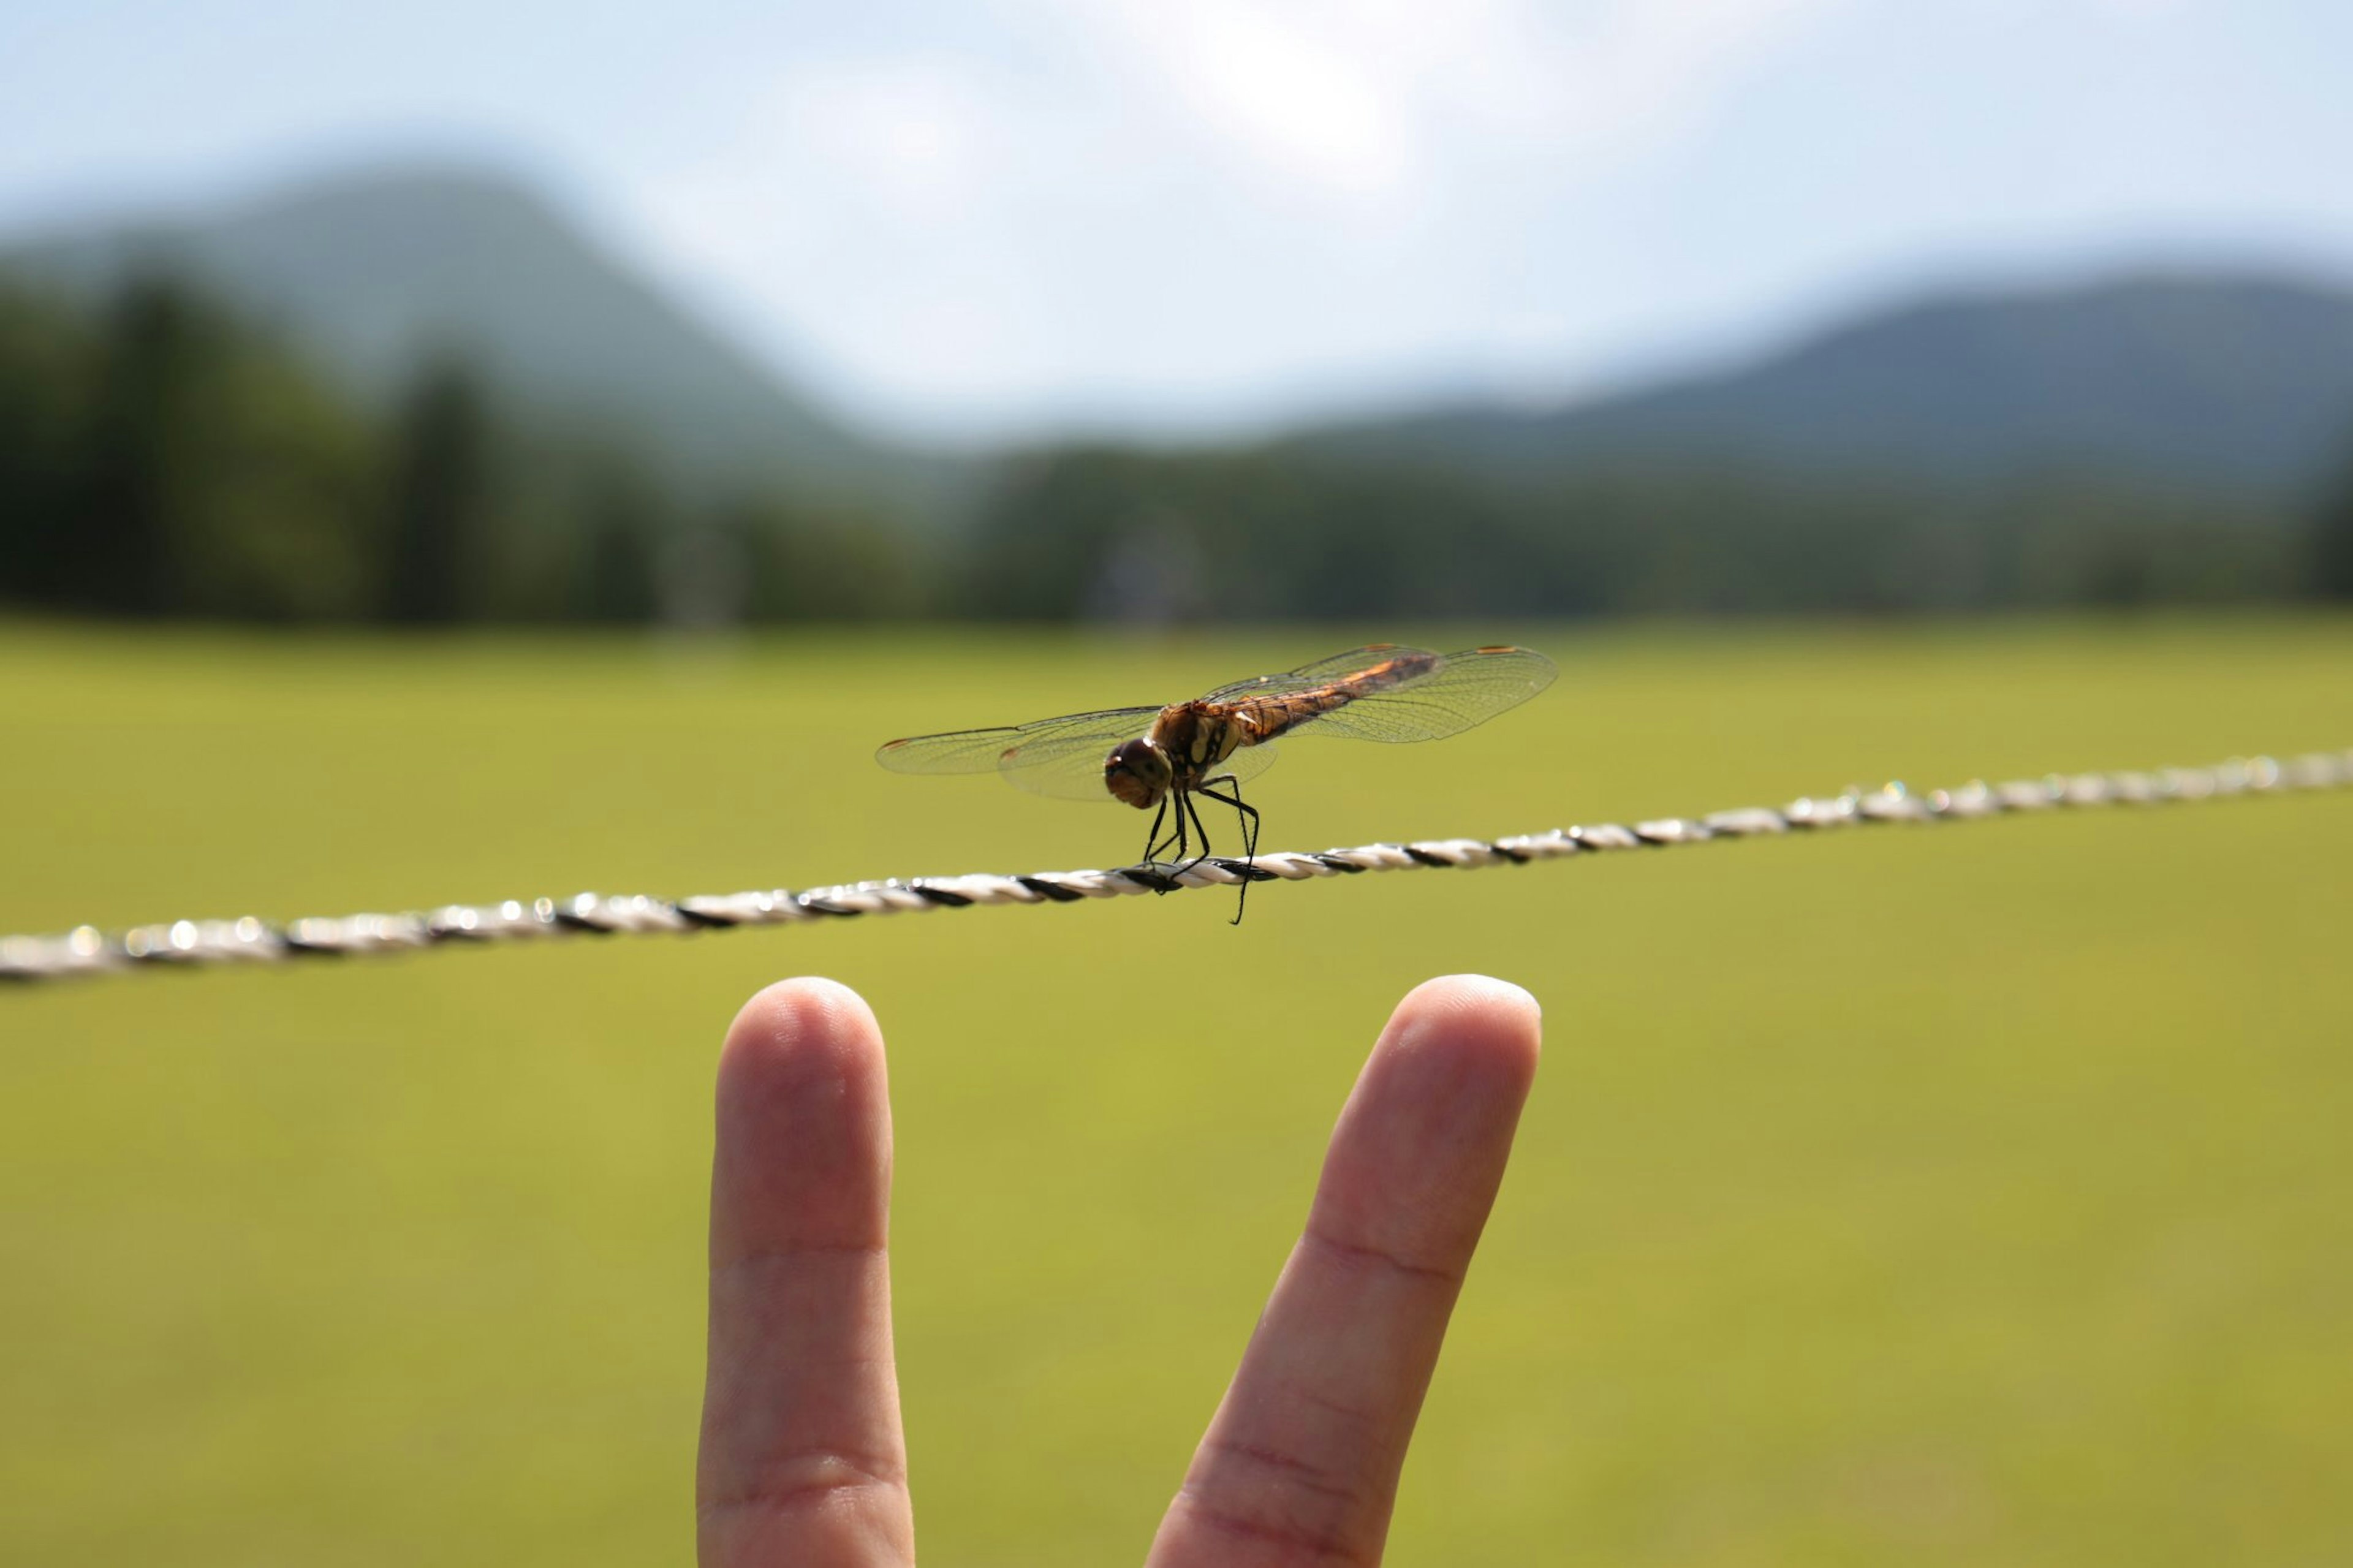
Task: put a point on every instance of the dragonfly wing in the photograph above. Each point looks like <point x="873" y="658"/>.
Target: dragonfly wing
<point x="1069" y="765"/>
<point x="1058" y="757"/>
<point x="1322" y="672"/>
<point x="1077" y="773"/>
<point x="1247" y="763"/>
<point x="1459" y="690"/>
<point x="962" y="752"/>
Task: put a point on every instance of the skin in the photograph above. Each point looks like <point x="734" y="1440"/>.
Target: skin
<point x="803" y="1461"/>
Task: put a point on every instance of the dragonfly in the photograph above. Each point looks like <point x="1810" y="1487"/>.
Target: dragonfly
<point x="1161" y="758"/>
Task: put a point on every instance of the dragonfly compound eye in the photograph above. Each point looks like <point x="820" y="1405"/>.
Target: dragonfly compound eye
<point x="1138" y="772"/>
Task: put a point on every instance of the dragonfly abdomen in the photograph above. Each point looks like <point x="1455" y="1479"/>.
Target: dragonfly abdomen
<point x="1267" y="717"/>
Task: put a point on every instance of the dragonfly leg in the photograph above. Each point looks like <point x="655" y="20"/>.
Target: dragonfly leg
<point x="1184" y="804"/>
<point x="1200" y="830"/>
<point x="1152" y="840"/>
<point x="1182" y="842"/>
<point x="1189" y="853"/>
<point x="1178" y="841"/>
<point x="1248" y="815"/>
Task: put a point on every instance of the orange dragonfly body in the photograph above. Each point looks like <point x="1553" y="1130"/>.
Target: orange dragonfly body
<point x="1158" y="759"/>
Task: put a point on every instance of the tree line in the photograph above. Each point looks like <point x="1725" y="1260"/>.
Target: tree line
<point x="160" y="456"/>
<point x="1258" y="534"/>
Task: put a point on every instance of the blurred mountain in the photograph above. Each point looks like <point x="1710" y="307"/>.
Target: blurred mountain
<point x="2233" y="384"/>
<point x="372" y="274"/>
<point x="2239" y="383"/>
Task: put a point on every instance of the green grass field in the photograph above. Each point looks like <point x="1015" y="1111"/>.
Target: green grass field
<point x="1964" y="1194"/>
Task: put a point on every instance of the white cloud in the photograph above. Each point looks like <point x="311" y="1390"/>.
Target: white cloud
<point x="1368" y="98"/>
<point x="1304" y="99"/>
<point x="1180" y="197"/>
<point x="915" y="133"/>
<point x="878" y="142"/>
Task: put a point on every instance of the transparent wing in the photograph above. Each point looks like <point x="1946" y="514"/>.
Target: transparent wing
<point x="1070" y="769"/>
<point x="1075" y="772"/>
<point x="1445" y="697"/>
<point x="1322" y="673"/>
<point x="1058" y="757"/>
<point x="1247" y="763"/>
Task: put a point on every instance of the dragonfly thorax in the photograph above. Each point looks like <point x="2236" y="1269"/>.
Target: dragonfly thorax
<point x="1186" y="742"/>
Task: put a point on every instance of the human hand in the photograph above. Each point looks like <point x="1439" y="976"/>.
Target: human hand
<point x="803" y="1462"/>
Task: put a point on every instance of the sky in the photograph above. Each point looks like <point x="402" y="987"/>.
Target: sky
<point x="996" y="218"/>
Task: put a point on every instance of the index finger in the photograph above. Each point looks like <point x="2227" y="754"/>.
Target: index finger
<point x="802" y="1458"/>
<point x="1301" y="1462"/>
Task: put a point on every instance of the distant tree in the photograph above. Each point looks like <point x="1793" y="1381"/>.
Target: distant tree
<point x="285" y="527"/>
<point x="141" y="457"/>
<point x="165" y="458"/>
<point x="622" y="519"/>
<point x="441" y="501"/>
<point x="808" y="564"/>
<point x="1047" y="525"/>
<point x="2329" y="542"/>
<point x="48" y="362"/>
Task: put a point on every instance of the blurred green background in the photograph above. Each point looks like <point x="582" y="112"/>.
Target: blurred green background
<point x="1964" y="1194"/>
<point x="456" y="452"/>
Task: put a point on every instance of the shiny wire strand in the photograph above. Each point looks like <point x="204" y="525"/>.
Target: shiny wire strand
<point x="182" y="943"/>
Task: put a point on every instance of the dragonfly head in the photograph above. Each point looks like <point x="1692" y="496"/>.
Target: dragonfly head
<point x="1138" y="773"/>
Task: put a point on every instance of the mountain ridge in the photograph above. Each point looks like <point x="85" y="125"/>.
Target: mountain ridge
<point x="2233" y="380"/>
<point x="2239" y="381"/>
<point x="375" y="271"/>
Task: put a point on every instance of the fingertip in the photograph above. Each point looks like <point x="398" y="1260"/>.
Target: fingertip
<point x="802" y="1455"/>
<point x="801" y="1017"/>
<point x="803" y="1138"/>
<point x="806" y="1040"/>
<point x="1475" y="1015"/>
<point x="804" y="1005"/>
<point x="1450" y="1074"/>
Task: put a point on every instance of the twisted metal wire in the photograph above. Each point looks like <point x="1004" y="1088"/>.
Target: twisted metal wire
<point x="181" y="943"/>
